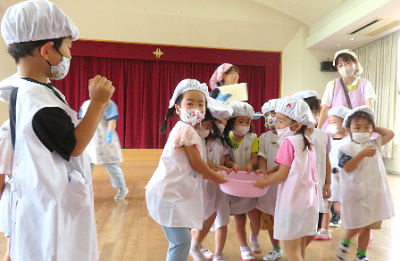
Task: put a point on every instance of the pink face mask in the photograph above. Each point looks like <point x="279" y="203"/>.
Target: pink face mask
<point x="192" y="116"/>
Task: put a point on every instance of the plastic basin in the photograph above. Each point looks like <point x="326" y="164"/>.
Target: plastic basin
<point x="241" y="184"/>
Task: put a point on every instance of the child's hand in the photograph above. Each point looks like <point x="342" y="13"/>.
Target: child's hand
<point x="368" y="151"/>
<point x="261" y="183"/>
<point x="248" y="167"/>
<point x="221" y="168"/>
<point x="100" y="90"/>
<point x="327" y="191"/>
<point x="260" y="172"/>
<point x="235" y="167"/>
<point x="218" y="178"/>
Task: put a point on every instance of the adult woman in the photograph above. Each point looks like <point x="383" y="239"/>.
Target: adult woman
<point x="225" y="74"/>
<point x="359" y="90"/>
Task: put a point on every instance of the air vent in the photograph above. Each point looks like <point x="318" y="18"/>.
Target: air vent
<point x="375" y="27"/>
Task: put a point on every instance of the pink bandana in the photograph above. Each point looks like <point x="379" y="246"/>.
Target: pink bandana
<point x="217" y="75"/>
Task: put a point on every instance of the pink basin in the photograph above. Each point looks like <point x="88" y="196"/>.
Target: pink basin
<point x="241" y="184"/>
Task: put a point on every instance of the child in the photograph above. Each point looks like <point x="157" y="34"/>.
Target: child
<point x="366" y="197"/>
<point x="269" y="143"/>
<point x="322" y="146"/>
<point x="339" y="138"/>
<point x="296" y="212"/>
<point x="6" y="154"/>
<point x="174" y="193"/>
<point x="243" y="156"/>
<point x="215" y="201"/>
<point x="52" y="185"/>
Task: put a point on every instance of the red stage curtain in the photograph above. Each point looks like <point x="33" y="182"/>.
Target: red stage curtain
<point x="144" y="87"/>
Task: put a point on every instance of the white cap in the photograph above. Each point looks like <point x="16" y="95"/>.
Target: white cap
<point x="348" y="51"/>
<point x="188" y="85"/>
<point x="340" y="111"/>
<point x="36" y="20"/>
<point x="364" y="108"/>
<point x="219" y="109"/>
<point x="269" y="106"/>
<point x="297" y="110"/>
<point x="305" y="94"/>
<point x="241" y="109"/>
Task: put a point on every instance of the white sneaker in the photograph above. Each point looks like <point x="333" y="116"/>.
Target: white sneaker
<point x="273" y="255"/>
<point x="323" y="234"/>
<point x="247" y="256"/>
<point x="121" y="193"/>
<point x="218" y="257"/>
<point x="207" y="253"/>
<point x="361" y="259"/>
<point x="342" y="251"/>
<point x="197" y="255"/>
<point x="255" y="246"/>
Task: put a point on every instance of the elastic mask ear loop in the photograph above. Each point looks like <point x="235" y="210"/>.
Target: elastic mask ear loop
<point x="56" y="51"/>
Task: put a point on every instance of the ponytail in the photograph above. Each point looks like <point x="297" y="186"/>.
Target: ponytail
<point x="307" y="143"/>
<point x="169" y="114"/>
<point x="228" y="128"/>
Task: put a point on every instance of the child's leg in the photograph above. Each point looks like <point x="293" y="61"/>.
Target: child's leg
<point x="240" y="228"/>
<point x="336" y="207"/>
<point x="293" y="249"/>
<point x="274" y="242"/>
<point x="220" y="239"/>
<point x="363" y="242"/>
<point x="343" y="247"/>
<point x="303" y="245"/>
<point x="276" y="251"/>
<point x="179" y="243"/>
<point x="199" y="235"/>
<point x="116" y="175"/>
<point x="7" y="254"/>
<point x="350" y="233"/>
<point x="255" y="225"/>
<point x="326" y="218"/>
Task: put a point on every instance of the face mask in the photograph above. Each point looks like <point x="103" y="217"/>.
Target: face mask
<point x="285" y="132"/>
<point x="347" y="71"/>
<point x="59" y="71"/>
<point x="241" y="130"/>
<point x="270" y="122"/>
<point x="192" y="116"/>
<point x="361" y="137"/>
<point x="202" y="132"/>
<point x="221" y="127"/>
<point x="332" y="129"/>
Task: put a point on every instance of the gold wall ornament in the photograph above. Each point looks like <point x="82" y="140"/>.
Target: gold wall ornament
<point x="158" y="53"/>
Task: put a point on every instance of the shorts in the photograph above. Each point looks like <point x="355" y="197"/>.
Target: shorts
<point x="375" y="225"/>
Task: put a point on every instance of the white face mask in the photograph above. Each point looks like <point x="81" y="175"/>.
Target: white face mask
<point x="241" y="130"/>
<point x="347" y="71"/>
<point x="361" y="137"/>
<point x="192" y="116"/>
<point x="332" y="129"/>
<point x="221" y="127"/>
<point x="285" y="132"/>
<point x="203" y="133"/>
<point x="59" y="71"/>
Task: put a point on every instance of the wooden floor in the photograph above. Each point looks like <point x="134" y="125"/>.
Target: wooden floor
<point x="126" y="232"/>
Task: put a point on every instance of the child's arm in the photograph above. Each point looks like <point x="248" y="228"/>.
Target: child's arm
<point x="214" y="166"/>
<point x="252" y="163"/>
<point x="261" y="165"/>
<point x="100" y="90"/>
<point x="275" y="178"/>
<point x="327" y="187"/>
<point x="387" y="135"/>
<point x="230" y="164"/>
<point x="2" y="182"/>
<point x="201" y="166"/>
<point x="353" y="163"/>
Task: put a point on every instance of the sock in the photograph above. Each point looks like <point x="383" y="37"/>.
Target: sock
<point x="277" y="248"/>
<point x="361" y="253"/>
<point x="345" y="242"/>
<point x="244" y="249"/>
<point x="254" y="239"/>
<point x="194" y="245"/>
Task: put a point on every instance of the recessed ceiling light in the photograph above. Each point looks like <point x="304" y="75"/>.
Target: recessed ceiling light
<point x="351" y="39"/>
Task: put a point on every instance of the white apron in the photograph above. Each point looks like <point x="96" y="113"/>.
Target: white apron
<point x="221" y="199"/>
<point x="209" y="192"/>
<point x="98" y="150"/>
<point x="333" y="157"/>
<point x="319" y="140"/>
<point x="269" y="144"/>
<point x="174" y="194"/>
<point x="296" y="212"/>
<point x="365" y="191"/>
<point x="53" y="202"/>
<point x="6" y="155"/>
<point x="242" y="156"/>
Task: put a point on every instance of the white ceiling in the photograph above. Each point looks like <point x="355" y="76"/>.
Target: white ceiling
<point x="306" y="11"/>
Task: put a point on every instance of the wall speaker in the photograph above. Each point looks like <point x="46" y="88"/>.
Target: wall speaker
<point x="327" y="66"/>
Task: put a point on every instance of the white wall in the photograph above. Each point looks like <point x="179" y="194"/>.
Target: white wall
<point x="232" y="24"/>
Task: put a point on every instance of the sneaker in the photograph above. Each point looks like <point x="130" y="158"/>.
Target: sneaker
<point x="273" y="255"/>
<point x="361" y="259"/>
<point x="121" y="193"/>
<point x="255" y="247"/>
<point x="247" y="256"/>
<point x="341" y="251"/>
<point x="197" y="255"/>
<point x="207" y="253"/>
<point x="335" y="223"/>
<point x="218" y="257"/>
<point x="323" y="234"/>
